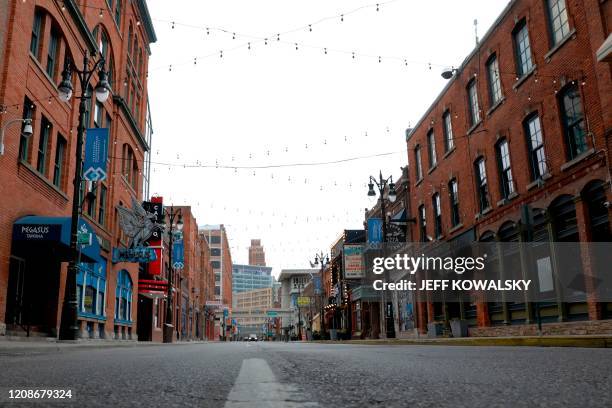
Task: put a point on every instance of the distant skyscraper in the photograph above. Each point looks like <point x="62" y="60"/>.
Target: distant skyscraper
<point x="257" y="256"/>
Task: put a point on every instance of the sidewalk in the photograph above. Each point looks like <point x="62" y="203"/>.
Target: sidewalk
<point x="591" y="341"/>
<point x="50" y="345"/>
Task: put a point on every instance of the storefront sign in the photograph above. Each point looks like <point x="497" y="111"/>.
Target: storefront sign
<point x="303" y="301"/>
<point x="134" y="255"/>
<point x="96" y="154"/>
<point x="354" y="265"/>
<point x="156" y="207"/>
<point x="34" y="232"/>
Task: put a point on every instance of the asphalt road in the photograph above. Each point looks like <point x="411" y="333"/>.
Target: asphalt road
<point x="311" y="375"/>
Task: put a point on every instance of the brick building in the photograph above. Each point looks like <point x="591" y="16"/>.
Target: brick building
<point x="221" y="261"/>
<point x="38" y="38"/>
<point x="522" y="127"/>
<point x="257" y="255"/>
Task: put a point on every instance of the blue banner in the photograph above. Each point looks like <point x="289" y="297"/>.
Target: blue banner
<point x="317" y="285"/>
<point x="178" y="254"/>
<point x="375" y="230"/>
<point x="96" y="154"/>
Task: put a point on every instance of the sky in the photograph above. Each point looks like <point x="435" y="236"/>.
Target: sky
<point x="277" y="139"/>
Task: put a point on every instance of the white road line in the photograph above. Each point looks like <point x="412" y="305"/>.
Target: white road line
<point x="256" y="386"/>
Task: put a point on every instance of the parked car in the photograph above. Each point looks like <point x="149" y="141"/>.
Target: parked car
<point x="252" y="337"/>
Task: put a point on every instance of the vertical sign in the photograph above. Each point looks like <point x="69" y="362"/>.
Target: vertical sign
<point x="96" y="154"/>
<point x="354" y="265"/>
<point x="375" y="230"/>
<point x="178" y="254"/>
<point x="155" y="242"/>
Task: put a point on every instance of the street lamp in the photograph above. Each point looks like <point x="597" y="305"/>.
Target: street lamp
<point x="382" y="184"/>
<point x="321" y="260"/>
<point x="26" y="131"/>
<point x="69" y="329"/>
<point x="172" y="216"/>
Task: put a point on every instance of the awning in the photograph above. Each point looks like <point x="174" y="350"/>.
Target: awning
<point x="56" y="231"/>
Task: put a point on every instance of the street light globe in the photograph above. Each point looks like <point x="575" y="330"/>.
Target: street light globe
<point x="102" y="93"/>
<point x="103" y="88"/>
<point x="65" y="90"/>
<point x="179" y="223"/>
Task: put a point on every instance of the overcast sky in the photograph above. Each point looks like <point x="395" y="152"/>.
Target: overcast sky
<point x="275" y="105"/>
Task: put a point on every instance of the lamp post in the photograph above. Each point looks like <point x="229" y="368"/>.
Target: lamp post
<point x="322" y="260"/>
<point x="69" y="329"/>
<point x="172" y="215"/>
<point x="382" y="184"/>
<point x="26" y="131"/>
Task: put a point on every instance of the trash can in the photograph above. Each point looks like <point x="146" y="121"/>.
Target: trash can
<point x="333" y="334"/>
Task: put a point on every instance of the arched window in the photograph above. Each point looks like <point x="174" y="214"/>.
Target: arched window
<point x="104" y="48"/>
<point x="594" y="196"/>
<point x="123" y="297"/>
<point x="563" y="216"/>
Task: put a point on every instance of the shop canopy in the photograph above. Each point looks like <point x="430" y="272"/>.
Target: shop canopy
<point x="35" y="230"/>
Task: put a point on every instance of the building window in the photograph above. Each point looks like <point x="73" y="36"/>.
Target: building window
<point x="43" y="145"/>
<point x="495" y="91"/>
<point x="118" y="13"/>
<point x="91" y="198"/>
<point x="98" y="114"/>
<point x="215" y="239"/>
<point x="435" y="202"/>
<point x="573" y="121"/>
<point x="123" y="297"/>
<point x="52" y="53"/>
<point x="36" y="33"/>
<point x="24" y="142"/>
<point x="215" y="251"/>
<point x="505" y="171"/>
<point x="215" y="264"/>
<point x="102" y="205"/>
<point x="535" y="145"/>
<point x="453" y="195"/>
<point x="91" y="289"/>
<point x="558" y="22"/>
<point x="449" y="143"/>
<point x="431" y="149"/>
<point x="523" y="49"/>
<point x="58" y="167"/>
<point x="423" y="223"/>
<point x="473" y="102"/>
<point x="418" y="163"/>
<point x="481" y="184"/>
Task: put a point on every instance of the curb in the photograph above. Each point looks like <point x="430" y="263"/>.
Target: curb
<point x="21" y="348"/>
<point x="585" y="342"/>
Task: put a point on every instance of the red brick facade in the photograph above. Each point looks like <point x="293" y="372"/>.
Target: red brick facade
<point x="39" y="37"/>
<point x="561" y="69"/>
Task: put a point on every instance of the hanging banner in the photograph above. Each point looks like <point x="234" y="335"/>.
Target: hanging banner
<point x="317" y="285"/>
<point x="96" y="154"/>
<point x="178" y="254"/>
<point x="375" y="230"/>
<point x="354" y="265"/>
<point x="156" y="206"/>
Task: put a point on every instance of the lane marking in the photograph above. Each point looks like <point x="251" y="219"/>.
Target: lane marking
<point x="256" y="386"/>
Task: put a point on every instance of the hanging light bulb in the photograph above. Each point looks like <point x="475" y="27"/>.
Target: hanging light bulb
<point x="377" y="7"/>
<point x="207" y="31"/>
<point x="233" y="36"/>
<point x="325" y="51"/>
<point x="101" y="14"/>
<point x="341" y="17"/>
<point x="310" y="27"/>
<point x="173" y="25"/>
<point x="249" y="45"/>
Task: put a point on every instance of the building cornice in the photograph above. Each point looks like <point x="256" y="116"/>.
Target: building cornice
<point x="121" y="103"/>
<point x="79" y="20"/>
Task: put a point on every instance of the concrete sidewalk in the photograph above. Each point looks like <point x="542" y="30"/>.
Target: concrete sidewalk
<point x="592" y="341"/>
<point x="50" y="345"/>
